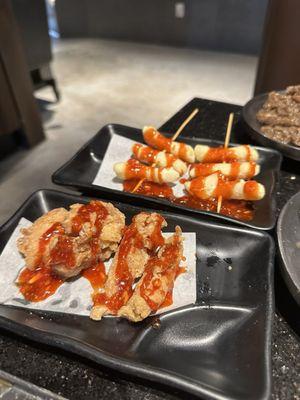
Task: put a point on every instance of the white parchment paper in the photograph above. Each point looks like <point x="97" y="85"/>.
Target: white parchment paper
<point x="74" y="296"/>
<point x="119" y="150"/>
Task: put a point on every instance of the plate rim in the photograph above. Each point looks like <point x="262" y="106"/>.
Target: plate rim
<point x="294" y="288"/>
<point x="140" y="369"/>
<point x="56" y="179"/>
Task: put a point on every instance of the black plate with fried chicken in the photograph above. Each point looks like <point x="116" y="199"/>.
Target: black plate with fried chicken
<point x="226" y="334"/>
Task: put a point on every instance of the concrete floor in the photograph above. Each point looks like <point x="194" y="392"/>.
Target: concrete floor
<point x="105" y="81"/>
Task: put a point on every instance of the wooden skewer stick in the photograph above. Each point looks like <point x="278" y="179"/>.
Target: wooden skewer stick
<point x="184" y="124"/>
<point x="174" y="137"/>
<point x="226" y="143"/>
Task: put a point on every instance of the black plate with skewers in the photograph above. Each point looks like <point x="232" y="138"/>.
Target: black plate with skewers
<point x="80" y="171"/>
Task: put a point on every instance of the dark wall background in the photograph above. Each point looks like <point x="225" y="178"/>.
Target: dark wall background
<point x="33" y="26"/>
<point x="226" y="25"/>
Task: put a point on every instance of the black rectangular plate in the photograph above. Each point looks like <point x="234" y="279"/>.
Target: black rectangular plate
<point x="80" y="171"/>
<point x="218" y="348"/>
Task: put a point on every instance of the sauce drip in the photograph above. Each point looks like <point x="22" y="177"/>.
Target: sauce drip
<point x="88" y="213"/>
<point x="252" y="169"/>
<point x="238" y="209"/>
<point x="148" y="155"/>
<point x="39" y="284"/>
<point x="85" y="214"/>
<point x="197" y="187"/>
<point x="166" y="269"/>
<point x="251" y="189"/>
<point x="234" y="170"/>
<point x="183" y="180"/>
<point x="123" y="277"/>
<point x="219" y="154"/>
<point x="248" y="156"/>
<point x="170" y="159"/>
<point x="96" y="275"/>
<point x="155" y="139"/>
<point x="156" y="237"/>
<point x="168" y="301"/>
<point x="182" y="151"/>
<point x="149" y="188"/>
<point x="144" y="153"/>
<point x="42" y="282"/>
<point x="135" y="170"/>
<point x="203" y="169"/>
<point x="224" y="187"/>
<point x="62" y="252"/>
<point x="55" y="229"/>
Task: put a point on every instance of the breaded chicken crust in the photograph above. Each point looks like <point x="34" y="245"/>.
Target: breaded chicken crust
<point x="157" y="280"/>
<point x="90" y="235"/>
<point x="141" y="238"/>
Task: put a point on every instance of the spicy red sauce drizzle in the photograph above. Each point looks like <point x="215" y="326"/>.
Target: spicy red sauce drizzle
<point x="84" y="214"/>
<point x="42" y="282"/>
<point x="235" y="170"/>
<point x="168" y="301"/>
<point x="149" y="188"/>
<point x="124" y="278"/>
<point x="39" y="284"/>
<point x="96" y="275"/>
<point x="252" y="169"/>
<point x="239" y="209"/>
<point x="135" y="170"/>
<point x="151" y="285"/>
<point x="159" y="141"/>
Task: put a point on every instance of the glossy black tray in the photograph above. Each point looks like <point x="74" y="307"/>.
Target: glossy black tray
<point x="288" y="234"/>
<point x="249" y="115"/>
<point x="80" y="171"/>
<point x="219" y="348"/>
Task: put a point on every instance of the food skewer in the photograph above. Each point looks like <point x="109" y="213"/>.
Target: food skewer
<point x="150" y="156"/>
<point x="174" y="137"/>
<point x="133" y="169"/>
<point x="234" y="170"/>
<point x="184" y="124"/>
<point x="158" y="141"/>
<point x="214" y="186"/>
<point x="242" y="153"/>
<point x="226" y="142"/>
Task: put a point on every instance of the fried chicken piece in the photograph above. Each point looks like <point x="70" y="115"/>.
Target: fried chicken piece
<point x="29" y="243"/>
<point x="98" y="221"/>
<point x="141" y="238"/>
<point x="157" y="280"/>
<point x="68" y="242"/>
